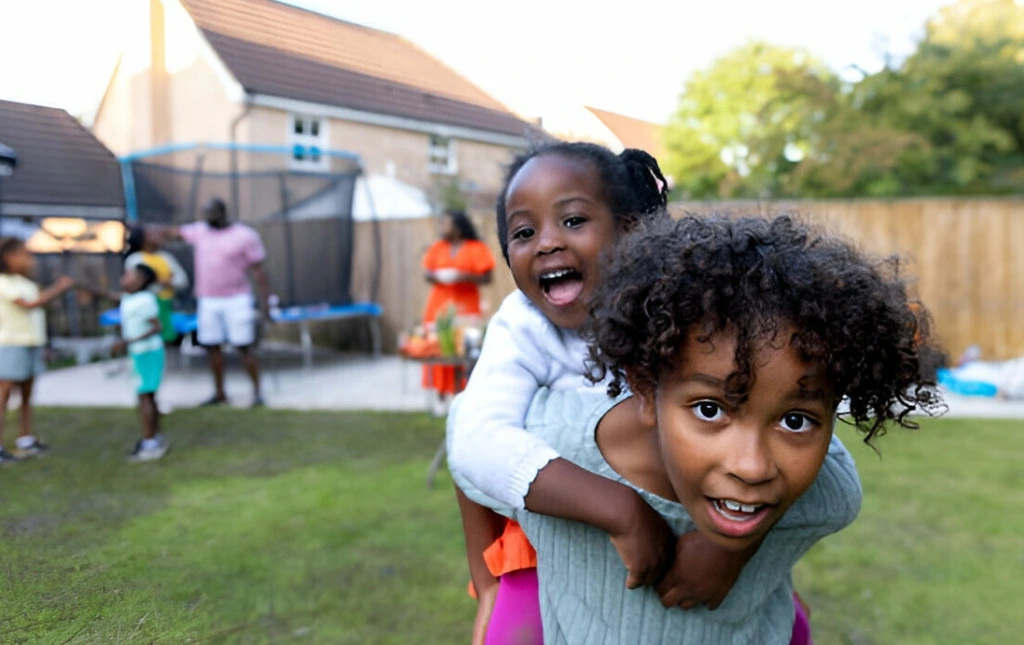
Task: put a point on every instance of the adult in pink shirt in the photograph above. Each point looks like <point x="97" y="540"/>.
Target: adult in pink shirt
<point x="226" y="254"/>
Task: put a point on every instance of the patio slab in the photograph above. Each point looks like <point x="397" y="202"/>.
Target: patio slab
<point x="334" y="383"/>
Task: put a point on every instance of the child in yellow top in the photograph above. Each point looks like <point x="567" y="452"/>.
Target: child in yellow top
<point x="145" y="246"/>
<point x="22" y="338"/>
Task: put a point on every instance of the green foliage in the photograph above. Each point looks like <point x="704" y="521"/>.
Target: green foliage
<point x="767" y="121"/>
<point x="738" y="119"/>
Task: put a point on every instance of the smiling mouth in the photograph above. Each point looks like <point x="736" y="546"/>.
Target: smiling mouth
<point x="562" y="287"/>
<point x="737" y="519"/>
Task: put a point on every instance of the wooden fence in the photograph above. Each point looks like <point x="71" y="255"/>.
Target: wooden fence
<point x="964" y="253"/>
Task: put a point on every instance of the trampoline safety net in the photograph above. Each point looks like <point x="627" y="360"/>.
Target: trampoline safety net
<point x="303" y="215"/>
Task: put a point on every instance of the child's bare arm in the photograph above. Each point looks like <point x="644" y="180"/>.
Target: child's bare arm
<point x="48" y="295"/>
<point x="642" y="538"/>
<point x="703" y="572"/>
<point x="154" y="330"/>
<point x="481" y="527"/>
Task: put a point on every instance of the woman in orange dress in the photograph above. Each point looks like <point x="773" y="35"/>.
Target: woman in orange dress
<point x="456" y="266"/>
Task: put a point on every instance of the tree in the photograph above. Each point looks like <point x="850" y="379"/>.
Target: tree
<point x="767" y="121"/>
<point x="961" y="91"/>
<point x="740" y="127"/>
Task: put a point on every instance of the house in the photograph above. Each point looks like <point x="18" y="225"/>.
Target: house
<point x="65" y="191"/>
<point x="266" y="73"/>
<point x="610" y="129"/>
<point x="629" y="132"/>
<point x="64" y="197"/>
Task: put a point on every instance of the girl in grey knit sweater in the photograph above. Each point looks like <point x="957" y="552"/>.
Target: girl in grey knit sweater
<point x="738" y="340"/>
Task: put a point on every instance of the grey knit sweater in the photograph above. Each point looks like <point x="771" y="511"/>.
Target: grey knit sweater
<point x="582" y="580"/>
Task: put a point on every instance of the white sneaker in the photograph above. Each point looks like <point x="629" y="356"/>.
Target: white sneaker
<point x="152" y="453"/>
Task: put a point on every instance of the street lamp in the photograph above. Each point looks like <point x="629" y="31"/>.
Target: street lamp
<point x="8" y="160"/>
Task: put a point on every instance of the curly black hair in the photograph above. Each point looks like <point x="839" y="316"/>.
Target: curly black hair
<point x="753" y="277"/>
<point x="631" y="181"/>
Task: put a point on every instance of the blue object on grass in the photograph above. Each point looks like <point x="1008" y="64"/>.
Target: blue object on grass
<point x="949" y="380"/>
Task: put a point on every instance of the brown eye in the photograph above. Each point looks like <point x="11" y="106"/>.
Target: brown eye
<point x="708" y="411"/>
<point x="796" y="422"/>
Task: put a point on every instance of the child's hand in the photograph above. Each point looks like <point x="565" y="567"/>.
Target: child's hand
<point x="703" y="573"/>
<point x="646" y="545"/>
<point x="118" y="346"/>
<point x="485" y="606"/>
<point x="64" y="283"/>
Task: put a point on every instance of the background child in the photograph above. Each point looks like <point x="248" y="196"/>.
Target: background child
<point x="739" y="338"/>
<point x="140" y="333"/>
<point x="145" y="246"/>
<point x="22" y="338"/>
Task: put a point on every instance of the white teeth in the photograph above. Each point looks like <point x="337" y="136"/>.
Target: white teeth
<point x="736" y="506"/>
<point x="554" y="275"/>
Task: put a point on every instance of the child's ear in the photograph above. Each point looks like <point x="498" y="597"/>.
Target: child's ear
<point x="645" y="397"/>
<point x="647" y="408"/>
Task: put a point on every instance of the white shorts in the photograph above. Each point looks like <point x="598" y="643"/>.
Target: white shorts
<point x="229" y="320"/>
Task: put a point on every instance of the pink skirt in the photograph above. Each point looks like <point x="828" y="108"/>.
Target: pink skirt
<point x="516" y="616"/>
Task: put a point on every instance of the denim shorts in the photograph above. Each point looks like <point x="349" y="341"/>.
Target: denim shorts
<point x="19" y="363"/>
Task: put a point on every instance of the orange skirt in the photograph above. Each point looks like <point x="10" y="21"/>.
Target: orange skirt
<point x="510" y="552"/>
<point x="443" y="378"/>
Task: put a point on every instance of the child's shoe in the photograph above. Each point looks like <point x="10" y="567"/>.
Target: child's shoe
<point x="149" y="450"/>
<point x="7" y="458"/>
<point x="30" y="448"/>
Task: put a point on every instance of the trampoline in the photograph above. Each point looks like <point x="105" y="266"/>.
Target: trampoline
<point x="186" y="323"/>
<point x="303" y="213"/>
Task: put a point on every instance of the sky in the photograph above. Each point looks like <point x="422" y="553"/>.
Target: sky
<point x="535" y="56"/>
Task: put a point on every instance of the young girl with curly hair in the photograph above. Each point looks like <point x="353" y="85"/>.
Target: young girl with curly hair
<point x="728" y="345"/>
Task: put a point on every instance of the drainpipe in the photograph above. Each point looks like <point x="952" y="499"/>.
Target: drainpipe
<point x="234" y="154"/>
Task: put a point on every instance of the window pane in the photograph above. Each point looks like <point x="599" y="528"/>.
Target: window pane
<point x="314" y="127"/>
<point x="299" y="125"/>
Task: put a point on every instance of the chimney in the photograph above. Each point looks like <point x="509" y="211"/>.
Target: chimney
<point x="159" y="82"/>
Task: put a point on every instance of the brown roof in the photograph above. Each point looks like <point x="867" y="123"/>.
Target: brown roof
<point x="59" y="161"/>
<point x="281" y="50"/>
<point x="632" y="133"/>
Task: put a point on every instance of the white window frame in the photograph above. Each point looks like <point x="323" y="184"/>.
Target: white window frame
<point x="442" y="156"/>
<point x="319" y="141"/>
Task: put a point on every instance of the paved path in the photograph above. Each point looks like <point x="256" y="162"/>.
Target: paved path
<point x="335" y="383"/>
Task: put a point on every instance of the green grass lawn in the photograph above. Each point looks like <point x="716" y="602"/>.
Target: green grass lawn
<point x="274" y="527"/>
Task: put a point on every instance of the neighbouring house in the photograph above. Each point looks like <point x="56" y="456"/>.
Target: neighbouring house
<point x="65" y="198"/>
<point x="629" y="132"/>
<point x="62" y="170"/>
<point x="611" y="129"/>
<point x="264" y="73"/>
<point x="267" y="73"/>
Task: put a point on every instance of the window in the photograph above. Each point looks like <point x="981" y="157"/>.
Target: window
<point x="443" y="160"/>
<point x="307" y="137"/>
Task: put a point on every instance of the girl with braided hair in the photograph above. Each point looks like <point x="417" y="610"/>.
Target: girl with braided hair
<point x="564" y="206"/>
